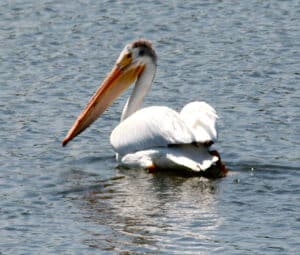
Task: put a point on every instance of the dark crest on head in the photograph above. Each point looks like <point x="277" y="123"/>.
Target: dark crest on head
<point x="145" y="48"/>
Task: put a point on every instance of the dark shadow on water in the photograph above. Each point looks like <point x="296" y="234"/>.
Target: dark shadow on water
<point x="93" y="181"/>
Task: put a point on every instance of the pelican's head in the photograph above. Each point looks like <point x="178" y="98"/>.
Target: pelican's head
<point x="137" y="53"/>
<point x="128" y="68"/>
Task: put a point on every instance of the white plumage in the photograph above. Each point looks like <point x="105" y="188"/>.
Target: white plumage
<point x="162" y="137"/>
<point x="157" y="136"/>
<point x="155" y="126"/>
<point x="201" y="118"/>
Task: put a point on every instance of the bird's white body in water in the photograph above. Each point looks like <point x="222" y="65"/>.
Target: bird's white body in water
<point x="155" y="137"/>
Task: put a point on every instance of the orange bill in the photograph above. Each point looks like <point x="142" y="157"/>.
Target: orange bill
<point x="119" y="79"/>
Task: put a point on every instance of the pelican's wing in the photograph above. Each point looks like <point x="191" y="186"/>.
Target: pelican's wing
<point x="200" y="117"/>
<point x="150" y="127"/>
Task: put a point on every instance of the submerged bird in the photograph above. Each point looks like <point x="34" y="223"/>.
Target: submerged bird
<point x="155" y="137"/>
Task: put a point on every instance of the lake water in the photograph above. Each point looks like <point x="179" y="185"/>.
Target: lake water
<point x="242" y="57"/>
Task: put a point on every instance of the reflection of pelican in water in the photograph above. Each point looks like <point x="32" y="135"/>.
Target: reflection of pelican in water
<point x="150" y="214"/>
<point x="157" y="136"/>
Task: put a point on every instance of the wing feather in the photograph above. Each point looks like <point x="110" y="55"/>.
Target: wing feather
<point x="201" y="118"/>
<point x="150" y="127"/>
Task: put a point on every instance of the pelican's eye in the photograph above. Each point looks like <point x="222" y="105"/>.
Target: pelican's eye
<point x="141" y="53"/>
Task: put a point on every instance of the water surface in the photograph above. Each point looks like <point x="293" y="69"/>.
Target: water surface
<point x="241" y="57"/>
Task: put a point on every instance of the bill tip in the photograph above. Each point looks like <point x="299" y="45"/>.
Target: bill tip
<point x="64" y="142"/>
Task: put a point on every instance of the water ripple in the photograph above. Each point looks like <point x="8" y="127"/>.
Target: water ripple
<point x="241" y="57"/>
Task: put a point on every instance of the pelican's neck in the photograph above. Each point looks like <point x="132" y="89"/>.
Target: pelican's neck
<point x="140" y="90"/>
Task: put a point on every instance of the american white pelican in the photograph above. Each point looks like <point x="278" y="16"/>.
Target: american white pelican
<point x="153" y="137"/>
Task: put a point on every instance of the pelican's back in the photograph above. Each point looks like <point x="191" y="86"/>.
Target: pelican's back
<point x="201" y="118"/>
